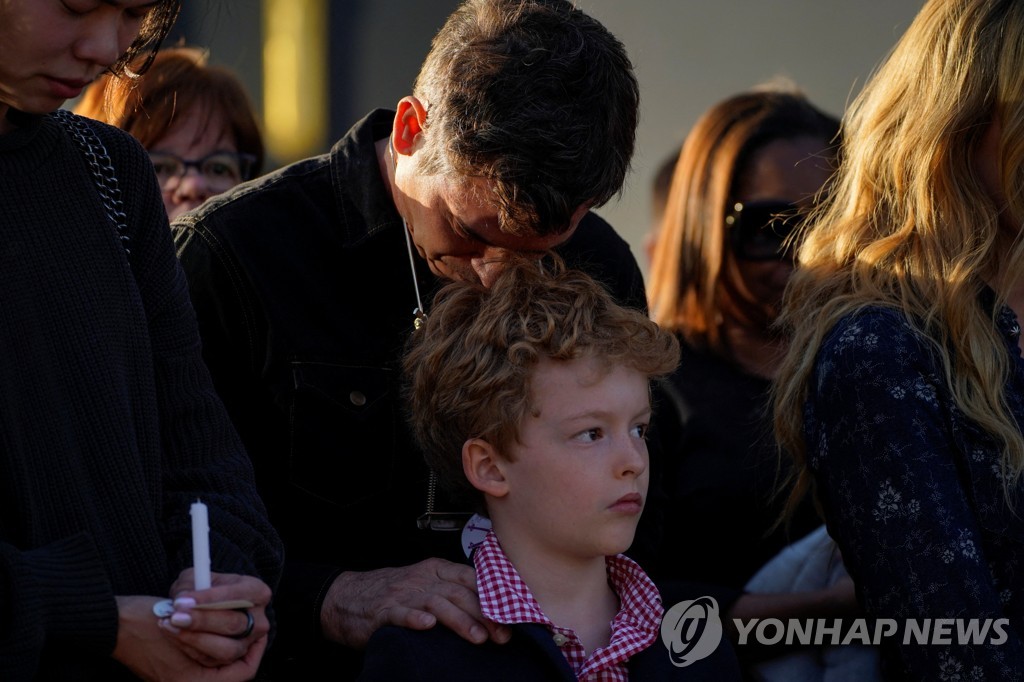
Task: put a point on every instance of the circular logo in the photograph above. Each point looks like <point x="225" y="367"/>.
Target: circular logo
<point x="473" y="533"/>
<point x="691" y="630"/>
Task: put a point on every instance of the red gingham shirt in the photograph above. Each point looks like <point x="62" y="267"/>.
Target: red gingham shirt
<point x="505" y="598"/>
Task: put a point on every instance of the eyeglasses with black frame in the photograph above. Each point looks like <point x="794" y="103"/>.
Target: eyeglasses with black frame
<point x="222" y="170"/>
<point x="759" y="230"/>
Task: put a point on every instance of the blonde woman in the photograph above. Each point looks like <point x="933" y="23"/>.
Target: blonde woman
<point x="902" y="394"/>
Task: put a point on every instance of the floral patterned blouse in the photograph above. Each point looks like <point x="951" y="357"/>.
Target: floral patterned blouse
<point x="913" y="493"/>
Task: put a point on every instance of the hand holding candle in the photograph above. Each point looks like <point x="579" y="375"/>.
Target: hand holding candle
<point x="201" y="577"/>
<point x="200" y="545"/>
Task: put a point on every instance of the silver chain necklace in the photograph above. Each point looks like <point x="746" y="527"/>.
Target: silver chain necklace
<point x="430" y="519"/>
<point x="419" y="313"/>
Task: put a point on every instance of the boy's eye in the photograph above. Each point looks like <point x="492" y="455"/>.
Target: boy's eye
<point x="640" y="431"/>
<point x="589" y="436"/>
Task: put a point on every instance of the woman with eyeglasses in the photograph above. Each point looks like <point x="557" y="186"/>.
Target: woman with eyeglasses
<point x="748" y="170"/>
<point x="195" y="120"/>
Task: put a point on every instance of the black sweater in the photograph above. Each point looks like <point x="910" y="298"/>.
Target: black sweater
<point x="109" y="426"/>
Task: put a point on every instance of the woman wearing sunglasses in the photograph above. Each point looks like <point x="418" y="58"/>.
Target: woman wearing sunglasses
<point x="195" y="120"/>
<point x="747" y="172"/>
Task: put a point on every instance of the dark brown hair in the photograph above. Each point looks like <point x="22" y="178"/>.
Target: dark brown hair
<point x="688" y="272"/>
<point x="535" y="96"/>
<point x="155" y="28"/>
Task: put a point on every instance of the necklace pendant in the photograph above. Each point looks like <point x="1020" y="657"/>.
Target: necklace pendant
<point x="419" y="317"/>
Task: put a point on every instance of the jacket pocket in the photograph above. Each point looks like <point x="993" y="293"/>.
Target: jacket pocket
<point x="343" y="425"/>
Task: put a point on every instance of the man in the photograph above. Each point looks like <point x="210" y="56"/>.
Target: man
<point x="306" y="285"/>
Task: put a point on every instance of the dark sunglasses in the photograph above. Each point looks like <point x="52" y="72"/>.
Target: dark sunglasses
<point x="758" y="230"/>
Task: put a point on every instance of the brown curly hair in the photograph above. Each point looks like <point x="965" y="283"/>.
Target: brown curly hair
<point x="468" y="368"/>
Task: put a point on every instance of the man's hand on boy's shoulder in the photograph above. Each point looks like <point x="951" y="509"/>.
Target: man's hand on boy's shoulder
<point x="418" y="597"/>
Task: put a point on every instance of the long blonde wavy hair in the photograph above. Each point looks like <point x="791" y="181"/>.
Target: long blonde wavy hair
<point x="910" y="224"/>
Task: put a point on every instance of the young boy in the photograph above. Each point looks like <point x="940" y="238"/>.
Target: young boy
<point x="531" y="401"/>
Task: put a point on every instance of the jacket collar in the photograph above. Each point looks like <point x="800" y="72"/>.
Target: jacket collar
<point x="356" y="180"/>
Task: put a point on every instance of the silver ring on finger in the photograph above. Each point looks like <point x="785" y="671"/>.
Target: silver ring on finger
<point x="250" y="623"/>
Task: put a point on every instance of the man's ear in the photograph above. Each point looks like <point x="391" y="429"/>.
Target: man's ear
<point x="410" y="118"/>
<point x="484" y="467"/>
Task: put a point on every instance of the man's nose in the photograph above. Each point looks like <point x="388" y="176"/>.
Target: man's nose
<point x="488" y="267"/>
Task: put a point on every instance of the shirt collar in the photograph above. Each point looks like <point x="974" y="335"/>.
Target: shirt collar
<point x="506" y="599"/>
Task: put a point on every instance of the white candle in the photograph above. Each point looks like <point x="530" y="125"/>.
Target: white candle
<point x="201" y="545"/>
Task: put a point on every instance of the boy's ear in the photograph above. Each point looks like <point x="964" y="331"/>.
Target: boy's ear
<point x="483" y="467"/>
<point x="410" y="118"/>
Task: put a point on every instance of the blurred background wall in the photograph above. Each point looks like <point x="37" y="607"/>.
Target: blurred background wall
<point x="314" y="67"/>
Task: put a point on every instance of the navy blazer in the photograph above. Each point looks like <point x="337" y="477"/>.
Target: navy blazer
<point x="397" y="654"/>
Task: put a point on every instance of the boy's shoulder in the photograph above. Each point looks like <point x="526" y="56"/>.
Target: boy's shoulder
<point x="654" y="664"/>
<point x="396" y="653"/>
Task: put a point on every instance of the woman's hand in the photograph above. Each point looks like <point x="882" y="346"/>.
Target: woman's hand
<point x="219" y="636"/>
<point x="152" y="653"/>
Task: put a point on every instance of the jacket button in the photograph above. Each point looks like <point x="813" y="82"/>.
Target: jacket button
<point x="560" y="639"/>
<point x="357" y="398"/>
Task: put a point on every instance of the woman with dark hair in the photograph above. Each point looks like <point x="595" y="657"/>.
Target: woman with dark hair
<point x="748" y="170"/>
<point x="188" y="115"/>
<point x="110" y="428"/>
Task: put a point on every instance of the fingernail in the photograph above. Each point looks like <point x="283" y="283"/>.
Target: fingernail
<point x="166" y="625"/>
<point x="182" y="620"/>
<point x="502" y="636"/>
<point x="478" y="634"/>
<point x="184" y="603"/>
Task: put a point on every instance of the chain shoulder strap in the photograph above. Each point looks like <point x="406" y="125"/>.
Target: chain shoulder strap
<point x="101" y="168"/>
